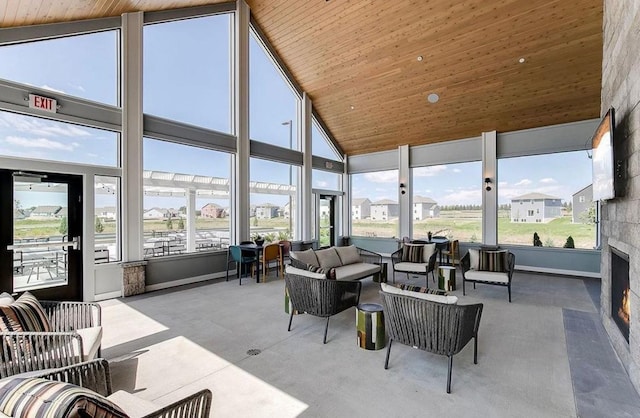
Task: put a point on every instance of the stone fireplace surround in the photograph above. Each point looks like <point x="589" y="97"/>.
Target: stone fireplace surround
<point x="620" y="217"/>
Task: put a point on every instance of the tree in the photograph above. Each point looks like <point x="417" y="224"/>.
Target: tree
<point x="169" y="224"/>
<point x="536" y="240"/>
<point x="63" y="228"/>
<point x="569" y="243"/>
<point x="99" y="226"/>
<point x="180" y="223"/>
<point x="549" y="243"/>
<point x="589" y="216"/>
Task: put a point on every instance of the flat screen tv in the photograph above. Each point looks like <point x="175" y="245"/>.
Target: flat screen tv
<point x="603" y="159"/>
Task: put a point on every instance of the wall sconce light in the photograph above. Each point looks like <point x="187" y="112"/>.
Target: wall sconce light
<point x="402" y="188"/>
<point x="487" y="184"/>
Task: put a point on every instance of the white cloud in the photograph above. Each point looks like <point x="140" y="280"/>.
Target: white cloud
<point x="502" y="183"/>
<point x="38" y="143"/>
<point x="523" y="182"/>
<point x="46" y="87"/>
<point x="390" y="176"/>
<point x="457" y="170"/>
<point x="77" y="87"/>
<point x="548" y="180"/>
<point x="463" y="197"/>
<point x="39" y="127"/>
<point x="323" y="184"/>
<point x="430" y="171"/>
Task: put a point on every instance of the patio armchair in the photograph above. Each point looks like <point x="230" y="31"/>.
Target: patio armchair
<point x="95" y="377"/>
<point x="75" y="336"/>
<point x="425" y="265"/>
<point x="318" y="296"/>
<point x="493" y="267"/>
<point x="439" y="328"/>
<point x="241" y="259"/>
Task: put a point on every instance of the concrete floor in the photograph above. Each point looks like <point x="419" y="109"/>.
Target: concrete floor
<point x="167" y="344"/>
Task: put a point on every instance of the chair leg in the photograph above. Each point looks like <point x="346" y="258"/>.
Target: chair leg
<point x="326" y="327"/>
<point x="239" y="270"/>
<point x="509" y="287"/>
<point x="463" y="289"/>
<point x="449" y="374"/>
<point x="290" y="319"/>
<point x="386" y="361"/>
<point x="475" y="349"/>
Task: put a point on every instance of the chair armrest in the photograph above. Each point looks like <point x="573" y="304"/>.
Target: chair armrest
<point x="396" y="256"/>
<point x="197" y="405"/>
<point x="30" y="351"/>
<point x="432" y="262"/>
<point x="465" y="263"/>
<point x="93" y="375"/>
<point x="511" y="264"/>
<point x="369" y="256"/>
<point x="67" y="316"/>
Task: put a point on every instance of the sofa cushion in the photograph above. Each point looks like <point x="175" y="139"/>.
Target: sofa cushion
<point x="6" y="299"/>
<point x="487" y="276"/>
<point x="25" y="314"/>
<point x="306" y="256"/>
<point x="348" y="255"/>
<point x="412" y="253"/>
<point x="421" y="289"/>
<point x="407" y="267"/>
<point x="33" y="397"/>
<point x="356" y="271"/>
<point x="91" y="340"/>
<point x="328" y="258"/>
<point x="135" y="407"/>
<point x="493" y="261"/>
<point x="303" y="272"/>
<point x="419" y="295"/>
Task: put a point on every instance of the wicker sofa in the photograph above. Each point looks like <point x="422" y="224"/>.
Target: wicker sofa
<point x="84" y="389"/>
<point x="350" y="262"/>
<point x="476" y="269"/>
<point x="75" y="335"/>
<point x="430" y="322"/>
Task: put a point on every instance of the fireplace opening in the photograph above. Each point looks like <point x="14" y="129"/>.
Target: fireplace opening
<point x="620" y="298"/>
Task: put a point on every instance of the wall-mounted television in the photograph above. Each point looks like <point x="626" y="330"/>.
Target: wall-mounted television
<point x="603" y="159"/>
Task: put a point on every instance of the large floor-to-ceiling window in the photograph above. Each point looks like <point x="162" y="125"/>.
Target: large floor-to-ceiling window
<point x="374" y="204"/>
<point x="546" y="200"/>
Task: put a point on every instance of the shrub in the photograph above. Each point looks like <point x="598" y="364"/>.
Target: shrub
<point x="536" y="240"/>
<point x="569" y="243"/>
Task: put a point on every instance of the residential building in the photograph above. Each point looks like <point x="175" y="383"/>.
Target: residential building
<point x="212" y="210"/>
<point x="425" y="207"/>
<point x="384" y="210"/>
<point x="360" y="208"/>
<point x="266" y="211"/>
<point x="535" y="207"/>
<point x="582" y="202"/>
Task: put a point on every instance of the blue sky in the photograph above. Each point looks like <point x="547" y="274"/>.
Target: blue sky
<point x="187" y="78"/>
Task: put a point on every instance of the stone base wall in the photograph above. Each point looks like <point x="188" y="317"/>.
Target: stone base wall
<point x="621" y="216"/>
<point x="133" y="278"/>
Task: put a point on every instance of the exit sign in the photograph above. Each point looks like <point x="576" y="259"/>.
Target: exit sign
<point x="42" y="103"/>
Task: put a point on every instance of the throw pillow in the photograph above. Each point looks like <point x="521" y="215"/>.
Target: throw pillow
<point x="418" y="295"/>
<point x="25" y="314"/>
<point x="6" y="299"/>
<point x="34" y="397"/>
<point x="474" y="259"/>
<point x="493" y="261"/>
<point x="329" y="273"/>
<point x="412" y="253"/>
<point x="428" y="251"/>
<point x="298" y="263"/>
<point x="328" y="258"/>
<point x="414" y="288"/>
<point x="348" y="255"/>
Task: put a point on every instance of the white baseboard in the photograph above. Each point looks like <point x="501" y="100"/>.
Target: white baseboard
<point x="108" y="295"/>
<point x="559" y="271"/>
<point x="189" y="280"/>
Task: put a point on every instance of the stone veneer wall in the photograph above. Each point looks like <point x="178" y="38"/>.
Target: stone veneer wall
<point x="621" y="216"/>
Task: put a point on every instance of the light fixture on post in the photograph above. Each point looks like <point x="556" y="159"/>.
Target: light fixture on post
<point x="402" y="188"/>
<point x="487" y="184"/>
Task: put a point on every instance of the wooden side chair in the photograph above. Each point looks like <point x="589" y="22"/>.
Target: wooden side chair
<point x="452" y="253"/>
<point x="271" y="254"/>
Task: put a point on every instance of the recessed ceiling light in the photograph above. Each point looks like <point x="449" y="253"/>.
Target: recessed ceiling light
<point x="420" y="58"/>
<point x="433" y="98"/>
<point x="352" y="107"/>
<point x="521" y="60"/>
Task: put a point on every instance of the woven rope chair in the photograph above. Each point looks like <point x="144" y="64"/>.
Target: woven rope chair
<point x="438" y="328"/>
<point x="95" y="375"/>
<point x="30" y="351"/>
<point x="321" y="297"/>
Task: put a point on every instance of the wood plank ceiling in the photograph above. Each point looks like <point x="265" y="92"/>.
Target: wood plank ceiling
<point x="358" y="61"/>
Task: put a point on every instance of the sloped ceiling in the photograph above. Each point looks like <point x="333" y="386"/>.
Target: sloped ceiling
<point x="369" y="66"/>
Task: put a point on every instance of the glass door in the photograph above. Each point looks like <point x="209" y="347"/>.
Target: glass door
<point x="326" y="220"/>
<point x="42" y="234"/>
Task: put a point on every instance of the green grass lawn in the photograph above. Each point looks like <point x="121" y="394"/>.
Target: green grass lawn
<point x="467" y="226"/>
